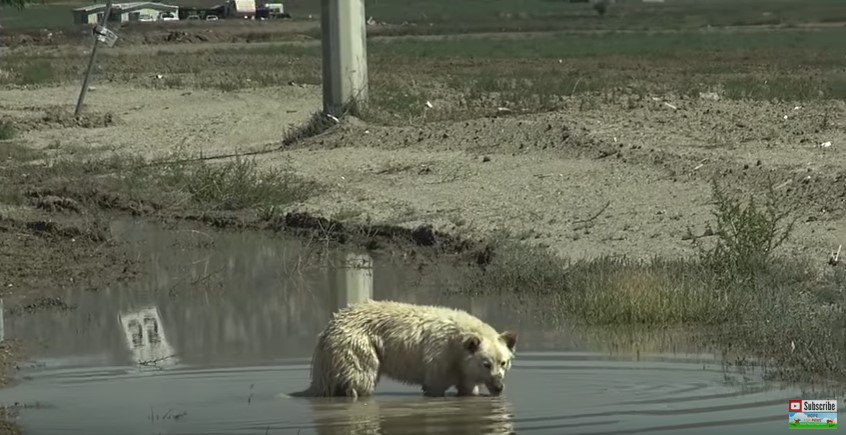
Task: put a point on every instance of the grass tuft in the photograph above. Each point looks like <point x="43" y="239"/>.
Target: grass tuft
<point x="36" y="72"/>
<point x="132" y="184"/>
<point x="7" y="130"/>
<point x="237" y="184"/>
<point x="317" y="124"/>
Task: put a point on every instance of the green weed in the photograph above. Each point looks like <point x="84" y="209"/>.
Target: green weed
<point x="36" y="72"/>
<point x="7" y="130"/>
<point x="237" y="184"/>
<point x="747" y="235"/>
<point x="316" y="124"/>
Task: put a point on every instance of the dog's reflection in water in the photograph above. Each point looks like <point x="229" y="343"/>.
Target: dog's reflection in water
<point x="405" y="415"/>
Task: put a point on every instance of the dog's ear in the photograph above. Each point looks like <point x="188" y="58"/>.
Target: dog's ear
<point x="510" y="339"/>
<point x="472" y="343"/>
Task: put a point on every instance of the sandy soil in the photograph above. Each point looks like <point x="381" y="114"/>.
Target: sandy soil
<point x="644" y="173"/>
<point x="607" y="179"/>
<point x="158" y="122"/>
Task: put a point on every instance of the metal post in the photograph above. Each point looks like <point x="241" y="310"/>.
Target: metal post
<point x="344" y="33"/>
<point x="91" y="60"/>
<point x="2" y="321"/>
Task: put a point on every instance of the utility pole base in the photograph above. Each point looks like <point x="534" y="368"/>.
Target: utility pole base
<point x="344" y="43"/>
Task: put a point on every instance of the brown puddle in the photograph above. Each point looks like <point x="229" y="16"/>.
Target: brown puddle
<point x="223" y="324"/>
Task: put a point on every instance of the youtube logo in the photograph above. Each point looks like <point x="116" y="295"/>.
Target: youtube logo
<point x="795" y="405"/>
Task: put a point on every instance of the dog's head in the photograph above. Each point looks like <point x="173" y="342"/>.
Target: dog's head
<point x="489" y="359"/>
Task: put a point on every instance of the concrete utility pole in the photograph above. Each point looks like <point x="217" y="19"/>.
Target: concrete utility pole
<point x="344" y="54"/>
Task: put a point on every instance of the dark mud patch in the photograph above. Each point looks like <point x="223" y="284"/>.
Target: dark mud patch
<point x="199" y="36"/>
<point x="419" y="242"/>
<point x="83" y="198"/>
<point x="10" y="353"/>
<point x="40" y="304"/>
<point x="57" y="117"/>
<point x="218" y="219"/>
<point x="44" y="257"/>
<point x="54" y="203"/>
<point x="60" y="117"/>
<point x="7" y="427"/>
<point x="420" y="238"/>
<point x="171" y="33"/>
<point x="53" y="230"/>
<point x="9" y="414"/>
<point x="175" y="36"/>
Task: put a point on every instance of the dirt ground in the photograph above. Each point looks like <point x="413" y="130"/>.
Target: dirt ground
<point x="154" y="123"/>
<point x="601" y="179"/>
<point x="585" y="183"/>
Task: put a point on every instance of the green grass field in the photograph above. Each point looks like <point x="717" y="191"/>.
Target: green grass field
<point x="529" y="72"/>
<point x="563" y="45"/>
<point x="494" y="15"/>
<point x="49" y="15"/>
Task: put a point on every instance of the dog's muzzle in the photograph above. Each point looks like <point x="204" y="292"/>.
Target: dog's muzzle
<point x="495" y="388"/>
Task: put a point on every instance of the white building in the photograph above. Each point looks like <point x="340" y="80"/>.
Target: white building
<point x="123" y="12"/>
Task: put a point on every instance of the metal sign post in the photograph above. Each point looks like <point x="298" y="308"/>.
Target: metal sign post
<point x="98" y="35"/>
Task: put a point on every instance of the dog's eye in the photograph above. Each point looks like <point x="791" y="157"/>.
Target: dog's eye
<point x="502" y="363"/>
<point x="487" y="364"/>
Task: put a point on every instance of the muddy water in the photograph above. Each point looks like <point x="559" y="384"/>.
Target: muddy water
<point x="221" y="325"/>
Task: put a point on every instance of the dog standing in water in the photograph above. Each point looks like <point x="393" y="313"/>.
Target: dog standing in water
<point x="435" y="347"/>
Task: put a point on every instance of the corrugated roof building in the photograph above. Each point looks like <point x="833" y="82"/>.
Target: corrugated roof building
<point x="123" y="12"/>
